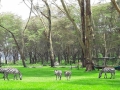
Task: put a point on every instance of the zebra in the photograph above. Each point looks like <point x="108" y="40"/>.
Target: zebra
<point x="58" y="74"/>
<point x="107" y="70"/>
<point x="67" y="74"/>
<point x="12" y="71"/>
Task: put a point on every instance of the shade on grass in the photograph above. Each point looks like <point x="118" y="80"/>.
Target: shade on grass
<point x="44" y="79"/>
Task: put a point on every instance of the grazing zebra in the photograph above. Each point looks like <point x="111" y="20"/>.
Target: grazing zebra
<point x="107" y="70"/>
<point x="12" y="71"/>
<point x="58" y="74"/>
<point x="67" y="74"/>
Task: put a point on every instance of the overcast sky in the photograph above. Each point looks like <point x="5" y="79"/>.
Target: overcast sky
<point x="16" y="7"/>
<point x="19" y="8"/>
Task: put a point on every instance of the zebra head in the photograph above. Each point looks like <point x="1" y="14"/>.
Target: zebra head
<point x="67" y="73"/>
<point x="20" y="75"/>
<point x="58" y="72"/>
<point x="100" y="73"/>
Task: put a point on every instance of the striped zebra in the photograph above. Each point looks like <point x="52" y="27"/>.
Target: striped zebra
<point x="107" y="70"/>
<point x="12" y="71"/>
<point x="58" y="74"/>
<point x="67" y="74"/>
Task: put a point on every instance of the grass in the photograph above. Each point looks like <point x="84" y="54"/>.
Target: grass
<point x="43" y="78"/>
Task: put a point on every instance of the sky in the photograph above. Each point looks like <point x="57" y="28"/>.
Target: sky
<point x="16" y="7"/>
<point x="19" y="8"/>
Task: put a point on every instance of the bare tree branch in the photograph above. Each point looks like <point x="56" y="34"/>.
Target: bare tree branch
<point x="29" y="16"/>
<point x="58" y="7"/>
<point x="74" y="24"/>
<point x="37" y="15"/>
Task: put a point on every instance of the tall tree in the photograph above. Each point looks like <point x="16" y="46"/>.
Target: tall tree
<point x="49" y="38"/>
<point x="88" y="38"/>
<point x="10" y="24"/>
<point x="87" y="28"/>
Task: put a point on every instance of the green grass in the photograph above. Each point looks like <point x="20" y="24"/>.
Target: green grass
<point x="43" y="78"/>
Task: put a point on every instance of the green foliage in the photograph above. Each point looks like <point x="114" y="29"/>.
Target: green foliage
<point x="14" y="24"/>
<point x="100" y="8"/>
<point x="43" y="78"/>
<point x="100" y="55"/>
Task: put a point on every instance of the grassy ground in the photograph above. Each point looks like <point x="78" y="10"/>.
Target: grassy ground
<point x="43" y="78"/>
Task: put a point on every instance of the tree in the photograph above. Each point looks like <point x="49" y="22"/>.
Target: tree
<point x="88" y="30"/>
<point x="88" y="35"/>
<point x="12" y="24"/>
<point x="47" y="31"/>
<point x="49" y="38"/>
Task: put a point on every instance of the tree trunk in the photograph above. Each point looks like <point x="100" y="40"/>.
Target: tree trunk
<point x="105" y="49"/>
<point x="50" y="47"/>
<point x="88" y="38"/>
<point x="86" y="33"/>
<point x="0" y="59"/>
<point x="82" y="5"/>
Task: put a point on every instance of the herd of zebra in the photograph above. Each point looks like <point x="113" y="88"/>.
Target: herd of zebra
<point x="104" y="70"/>
<point x="58" y="73"/>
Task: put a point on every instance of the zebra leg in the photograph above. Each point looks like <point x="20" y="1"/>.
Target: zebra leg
<point x="15" y="76"/>
<point x="60" y="77"/>
<point x="111" y="76"/>
<point x="105" y="76"/>
<point x="4" y="75"/>
<point x="114" y="75"/>
<point x="7" y="76"/>
<point x="56" y="77"/>
<point x="69" y="76"/>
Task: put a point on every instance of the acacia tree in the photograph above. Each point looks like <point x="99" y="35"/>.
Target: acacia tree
<point x="20" y="47"/>
<point x="47" y="31"/>
<point x="13" y="23"/>
<point x="48" y="34"/>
